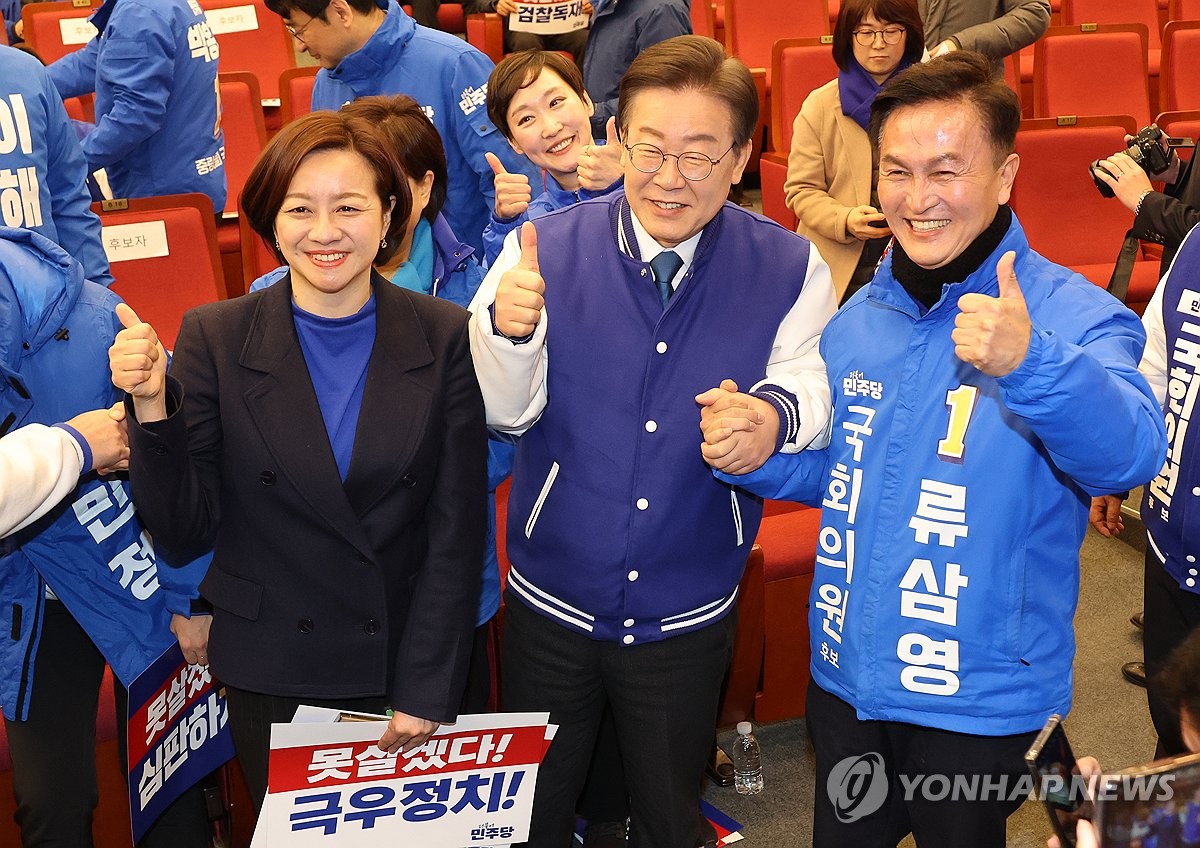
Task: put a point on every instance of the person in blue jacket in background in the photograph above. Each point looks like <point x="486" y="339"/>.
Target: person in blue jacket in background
<point x="45" y="169"/>
<point x="619" y="32"/>
<point x="80" y="585"/>
<point x="153" y="68"/>
<point x="11" y="10"/>
<point x="368" y="47"/>
<point x="432" y="260"/>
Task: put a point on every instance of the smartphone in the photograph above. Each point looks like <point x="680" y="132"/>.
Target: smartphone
<point x="1157" y="803"/>
<point x="1052" y="764"/>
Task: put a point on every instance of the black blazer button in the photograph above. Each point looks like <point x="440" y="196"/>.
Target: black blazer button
<point x="371" y="627"/>
<point x="408" y="480"/>
<point x="267" y="478"/>
<point x="159" y="450"/>
<point x="305" y="625"/>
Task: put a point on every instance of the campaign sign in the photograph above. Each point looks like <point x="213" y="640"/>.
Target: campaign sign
<point x="177" y="734"/>
<point x="548" y="17"/>
<point x="470" y="784"/>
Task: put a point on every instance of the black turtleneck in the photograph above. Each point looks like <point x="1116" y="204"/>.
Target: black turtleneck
<point x="925" y="284"/>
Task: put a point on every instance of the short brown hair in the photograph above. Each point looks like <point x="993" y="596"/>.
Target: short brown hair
<point x="963" y="76"/>
<point x="272" y="174"/>
<point x="698" y="63"/>
<point x="521" y="70"/>
<point x="903" y="12"/>
<point x="412" y="137"/>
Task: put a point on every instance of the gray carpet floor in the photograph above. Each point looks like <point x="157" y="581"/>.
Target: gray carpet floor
<point x="1109" y="718"/>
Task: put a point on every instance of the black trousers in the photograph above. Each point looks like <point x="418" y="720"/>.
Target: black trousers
<point x="54" y="751"/>
<point x="251" y="715"/>
<point x="910" y="750"/>
<point x="664" y="697"/>
<point x="1171" y="615"/>
<point x="574" y="43"/>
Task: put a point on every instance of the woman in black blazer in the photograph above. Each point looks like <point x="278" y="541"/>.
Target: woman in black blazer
<point x="325" y="438"/>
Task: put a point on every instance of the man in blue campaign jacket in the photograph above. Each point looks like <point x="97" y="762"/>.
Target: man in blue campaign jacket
<point x="370" y="47"/>
<point x="620" y="30"/>
<point x="42" y="170"/>
<point x="592" y="335"/>
<point x="153" y="68"/>
<point x="968" y="380"/>
<point x="80" y="585"/>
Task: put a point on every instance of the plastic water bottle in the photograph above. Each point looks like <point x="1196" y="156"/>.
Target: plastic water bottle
<point x="747" y="762"/>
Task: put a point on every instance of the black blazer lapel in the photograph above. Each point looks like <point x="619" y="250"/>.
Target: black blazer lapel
<point x="397" y="400"/>
<point x="283" y="406"/>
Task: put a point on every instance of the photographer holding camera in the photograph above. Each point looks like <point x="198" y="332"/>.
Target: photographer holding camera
<point x="1161" y="217"/>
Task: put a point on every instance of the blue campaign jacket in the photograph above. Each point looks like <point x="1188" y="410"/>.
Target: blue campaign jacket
<point x="954" y="503"/>
<point x="456" y="276"/>
<point x="1168" y="506"/>
<point x="619" y="32"/>
<point x="47" y="165"/>
<point x="154" y="70"/>
<point x="55" y="330"/>
<point x="448" y="77"/>
<point x="554" y="197"/>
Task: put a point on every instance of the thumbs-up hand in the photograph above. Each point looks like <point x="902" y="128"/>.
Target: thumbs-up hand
<point x="599" y="165"/>
<point x="992" y="333"/>
<point x="512" y="190"/>
<point x="137" y="360"/>
<point x="520" y="295"/>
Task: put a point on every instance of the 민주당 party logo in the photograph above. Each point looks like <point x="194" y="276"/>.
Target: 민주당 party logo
<point x="857" y="786"/>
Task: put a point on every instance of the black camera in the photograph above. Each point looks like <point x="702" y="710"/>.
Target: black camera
<point x="1146" y="149"/>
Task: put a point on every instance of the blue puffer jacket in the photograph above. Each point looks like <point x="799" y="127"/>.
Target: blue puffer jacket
<point x="954" y="503"/>
<point x="154" y="70"/>
<point x="448" y="77"/>
<point x="456" y="276"/>
<point x="55" y="330"/>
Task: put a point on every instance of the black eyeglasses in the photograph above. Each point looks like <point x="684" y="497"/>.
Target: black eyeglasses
<point x="298" y="34"/>
<point x="692" y="166"/>
<point x="890" y="35"/>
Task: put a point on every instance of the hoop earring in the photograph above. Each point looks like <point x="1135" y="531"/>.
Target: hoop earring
<point x="382" y="243"/>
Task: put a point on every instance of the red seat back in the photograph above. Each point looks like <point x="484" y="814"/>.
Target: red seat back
<point x="245" y="131"/>
<point x="1179" y="83"/>
<point x="1066" y="61"/>
<point x="753" y="26"/>
<point x="1143" y="12"/>
<point x="798" y="65"/>
<point x="704" y="18"/>
<point x="295" y="92"/>
<point x="253" y="39"/>
<point x="53" y="30"/>
<point x="1065" y="218"/>
<point x="160" y="288"/>
<point x="1183" y="10"/>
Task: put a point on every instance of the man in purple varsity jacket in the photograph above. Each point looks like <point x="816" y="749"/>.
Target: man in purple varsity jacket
<point x="626" y="553"/>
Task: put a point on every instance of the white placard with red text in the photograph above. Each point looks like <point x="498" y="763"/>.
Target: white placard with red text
<point x="548" y="17"/>
<point x="470" y="784"/>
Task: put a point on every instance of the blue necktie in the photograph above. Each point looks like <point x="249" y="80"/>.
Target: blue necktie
<point x="665" y="266"/>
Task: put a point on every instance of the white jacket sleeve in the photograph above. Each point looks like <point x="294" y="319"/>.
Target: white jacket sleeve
<point x="39" y="466"/>
<point x="796" y="364"/>
<point x="512" y="375"/>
